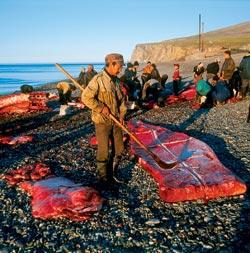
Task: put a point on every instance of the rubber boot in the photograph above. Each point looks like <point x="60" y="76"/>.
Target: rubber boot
<point x="116" y="163"/>
<point x="102" y="173"/>
<point x="63" y="109"/>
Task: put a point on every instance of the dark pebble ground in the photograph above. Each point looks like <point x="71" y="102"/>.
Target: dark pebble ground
<point x="137" y="220"/>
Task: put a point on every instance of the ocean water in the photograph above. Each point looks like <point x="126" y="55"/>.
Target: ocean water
<point x="12" y="76"/>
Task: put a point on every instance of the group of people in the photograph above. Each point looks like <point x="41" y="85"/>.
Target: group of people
<point x="107" y="94"/>
<point x="221" y="85"/>
<point x="149" y="87"/>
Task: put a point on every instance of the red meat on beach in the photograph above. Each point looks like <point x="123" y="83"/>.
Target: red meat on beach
<point x="14" y="140"/>
<point x="186" y="95"/>
<point x="59" y="197"/>
<point x="28" y="172"/>
<point x="198" y="175"/>
<point x="55" y="197"/>
<point x="23" y="103"/>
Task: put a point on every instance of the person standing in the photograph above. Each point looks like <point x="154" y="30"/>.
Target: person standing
<point x="87" y="76"/>
<point x="81" y="77"/>
<point x="147" y="73"/>
<point x="155" y="74"/>
<point x="136" y="66"/>
<point x="245" y="74"/>
<point x="131" y="81"/>
<point x="227" y="70"/>
<point x="103" y="96"/>
<point x="176" y="79"/>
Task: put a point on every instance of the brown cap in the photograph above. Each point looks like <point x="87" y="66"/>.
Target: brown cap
<point x="110" y="58"/>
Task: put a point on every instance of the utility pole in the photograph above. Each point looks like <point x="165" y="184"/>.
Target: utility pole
<point x="199" y="32"/>
<point x="202" y="37"/>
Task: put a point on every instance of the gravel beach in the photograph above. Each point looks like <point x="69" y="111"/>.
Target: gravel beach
<point x="136" y="220"/>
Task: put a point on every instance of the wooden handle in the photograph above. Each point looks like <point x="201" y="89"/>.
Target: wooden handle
<point x="111" y="115"/>
<point x="130" y="134"/>
<point x="154" y="156"/>
<point x="71" y="78"/>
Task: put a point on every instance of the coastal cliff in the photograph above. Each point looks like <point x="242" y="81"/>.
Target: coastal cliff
<point x="236" y="38"/>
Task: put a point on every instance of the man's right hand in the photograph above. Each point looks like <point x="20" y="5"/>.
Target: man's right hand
<point x="105" y="111"/>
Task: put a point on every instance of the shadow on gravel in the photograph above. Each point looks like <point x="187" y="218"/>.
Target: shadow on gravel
<point x="21" y="125"/>
<point x="46" y="142"/>
<point x="196" y="115"/>
<point x="182" y="87"/>
<point x="220" y="148"/>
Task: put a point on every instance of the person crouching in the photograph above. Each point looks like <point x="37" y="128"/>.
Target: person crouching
<point x="203" y="90"/>
<point x="65" y="90"/>
<point x="220" y="91"/>
<point x="151" y="92"/>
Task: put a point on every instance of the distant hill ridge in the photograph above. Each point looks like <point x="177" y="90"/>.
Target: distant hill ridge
<point x="236" y="38"/>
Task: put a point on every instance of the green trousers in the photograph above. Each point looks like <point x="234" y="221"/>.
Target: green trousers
<point x="104" y="134"/>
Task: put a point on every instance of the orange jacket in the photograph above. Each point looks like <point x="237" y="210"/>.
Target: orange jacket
<point x="147" y="70"/>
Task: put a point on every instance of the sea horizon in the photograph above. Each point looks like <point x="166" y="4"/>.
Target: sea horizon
<point x="14" y="75"/>
<point x="42" y="63"/>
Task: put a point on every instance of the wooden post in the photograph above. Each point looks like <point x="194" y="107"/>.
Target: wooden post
<point x="199" y="32"/>
<point x="202" y="37"/>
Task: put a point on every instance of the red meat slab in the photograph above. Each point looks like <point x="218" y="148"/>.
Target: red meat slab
<point x="59" y="197"/>
<point x="28" y="172"/>
<point x="18" y="108"/>
<point x="187" y="95"/>
<point x="14" y="140"/>
<point x="55" y="197"/>
<point x="23" y="103"/>
<point x="13" y="99"/>
<point x="198" y="175"/>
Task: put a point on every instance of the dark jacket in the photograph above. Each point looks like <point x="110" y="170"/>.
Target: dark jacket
<point x="220" y="92"/>
<point x="213" y="68"/>
<point x="245" y="67"/>
<point x="155" y="74"/>
<point x="85" y="78"/>
<point x="198" y="70"/>
<point x="129" y="75"/>
<point x="228" y="68"/>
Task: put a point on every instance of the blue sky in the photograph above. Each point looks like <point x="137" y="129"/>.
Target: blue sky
<point x="85" y="30"/>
